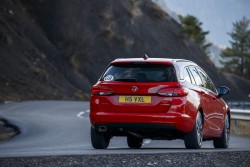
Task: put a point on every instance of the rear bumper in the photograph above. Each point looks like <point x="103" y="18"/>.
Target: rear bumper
<point x="136" y="126"/>
<point x="168" y="121"/>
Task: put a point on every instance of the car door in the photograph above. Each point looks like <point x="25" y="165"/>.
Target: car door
<point x="204" y="100"/>
<point x="214" y="116"/>
<point x="218" y="107"/>
<point x="209" y="129"/>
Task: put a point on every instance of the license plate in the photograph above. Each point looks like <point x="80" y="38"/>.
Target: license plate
<point x="134" y="99"/>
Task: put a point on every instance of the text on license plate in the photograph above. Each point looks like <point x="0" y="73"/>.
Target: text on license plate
<point x="134" y="99"/>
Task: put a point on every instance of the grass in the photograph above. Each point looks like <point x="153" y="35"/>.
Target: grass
<point x="134" y="12"/>
<point x="6" y="132"/>
<point x="108" y="29"/>
<point x="135" y="2"/>
<point x="6" y="135"/>
<point x="126" y="41"/>
<point x="73" y="62"/>
<point x="106" y="14"/>
<point x="240" y="127"/>
<point x="158" y="12"/>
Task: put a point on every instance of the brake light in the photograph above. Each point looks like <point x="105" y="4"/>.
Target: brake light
<point x="101" y="91"/>
<point x="173" y="92"/>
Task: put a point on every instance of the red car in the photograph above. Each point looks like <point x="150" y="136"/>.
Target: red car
<point x="156" y="98"/>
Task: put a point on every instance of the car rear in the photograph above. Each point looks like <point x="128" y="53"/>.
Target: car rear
<point x="142" y="98"/>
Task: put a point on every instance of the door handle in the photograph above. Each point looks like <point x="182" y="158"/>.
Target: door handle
<point x="201" y="92"/>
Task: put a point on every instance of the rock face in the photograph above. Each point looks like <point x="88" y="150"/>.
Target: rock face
<point x="58" y="49"/>
<point x="26" y="71"/>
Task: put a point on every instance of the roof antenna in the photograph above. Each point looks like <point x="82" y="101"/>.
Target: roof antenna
<point x="145" y="57"/>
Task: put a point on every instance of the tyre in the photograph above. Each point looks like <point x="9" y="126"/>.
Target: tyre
<point x="223" y="141"/>
<point x="99" y="140"/>
<point x="193" y="140"/>
<point x="134" y="142"/>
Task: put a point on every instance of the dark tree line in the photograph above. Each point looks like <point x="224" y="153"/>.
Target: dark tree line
<point x="192" y="27"/>
<point x="236" y="58"/>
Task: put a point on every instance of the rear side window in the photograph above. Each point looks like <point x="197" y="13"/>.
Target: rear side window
<point x="186" y="76"/>
<point x="207" y="81"/>
<point x="140" y="73"/>
<point x="196" y="76"/>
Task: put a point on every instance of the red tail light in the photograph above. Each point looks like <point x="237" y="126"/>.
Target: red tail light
<point x="101" y="91"/>
<point x="173" y="92"/>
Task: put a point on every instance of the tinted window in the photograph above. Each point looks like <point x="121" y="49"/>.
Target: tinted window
<point x="196" y="76"/>
<point x="186" y="76"/>
<point x="203" y="78"/>
<point x="140" y="73"/>
<point x="211" y="86"/>
<point x="206" y="81"/>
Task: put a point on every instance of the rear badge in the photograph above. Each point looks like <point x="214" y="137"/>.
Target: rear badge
<point x="108" y="78"/>
<point x="134" y="89"/>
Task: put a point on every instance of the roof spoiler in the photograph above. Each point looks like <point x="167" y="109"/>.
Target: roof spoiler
<point x="145" y="57"/>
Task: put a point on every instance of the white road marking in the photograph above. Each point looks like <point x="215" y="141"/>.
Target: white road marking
<point x="80" y="114"/>
<point x="147" y="141"/>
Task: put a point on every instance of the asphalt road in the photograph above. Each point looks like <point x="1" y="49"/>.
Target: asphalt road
<point x="62" y="128"/>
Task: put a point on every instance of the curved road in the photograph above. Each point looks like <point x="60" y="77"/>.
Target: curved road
<point x="62" y="128"/>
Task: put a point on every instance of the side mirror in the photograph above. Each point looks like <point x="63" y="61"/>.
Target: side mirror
<point x="222" y="90"/>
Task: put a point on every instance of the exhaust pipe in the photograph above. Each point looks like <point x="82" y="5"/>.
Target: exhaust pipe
<point x="102" y="129"/>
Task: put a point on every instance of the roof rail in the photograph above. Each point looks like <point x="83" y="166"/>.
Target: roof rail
<point x="182" y="60"/>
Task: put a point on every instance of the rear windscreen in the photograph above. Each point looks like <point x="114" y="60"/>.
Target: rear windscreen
<point x="140" y="73"/>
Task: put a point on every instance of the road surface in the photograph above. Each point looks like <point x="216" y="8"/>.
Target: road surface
<point x="62" y="128"/>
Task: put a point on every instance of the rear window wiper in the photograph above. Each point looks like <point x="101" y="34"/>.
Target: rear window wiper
<point x="126" y="79"/>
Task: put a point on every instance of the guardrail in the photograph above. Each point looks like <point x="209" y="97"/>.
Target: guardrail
<point x="239" y="114"/>
<point x="244" y="105"/>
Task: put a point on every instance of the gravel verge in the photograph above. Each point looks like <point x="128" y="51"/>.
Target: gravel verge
<point x="7" y="130"/>
<point x="227" y="159"/>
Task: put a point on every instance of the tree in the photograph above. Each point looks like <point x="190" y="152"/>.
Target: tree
<point x="192" y="27"/>
<point x="237" y="57"/>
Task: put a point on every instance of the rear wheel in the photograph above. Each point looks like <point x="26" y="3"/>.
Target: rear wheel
<point x="134" y="142"/>
<point x="99" y="140"/>
<point x="223" y="141"/>
<point x="193" y="140"/>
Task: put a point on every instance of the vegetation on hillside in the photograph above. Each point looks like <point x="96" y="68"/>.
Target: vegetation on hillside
<point x="192" y="27"/>
<point x="236" y="58"/>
